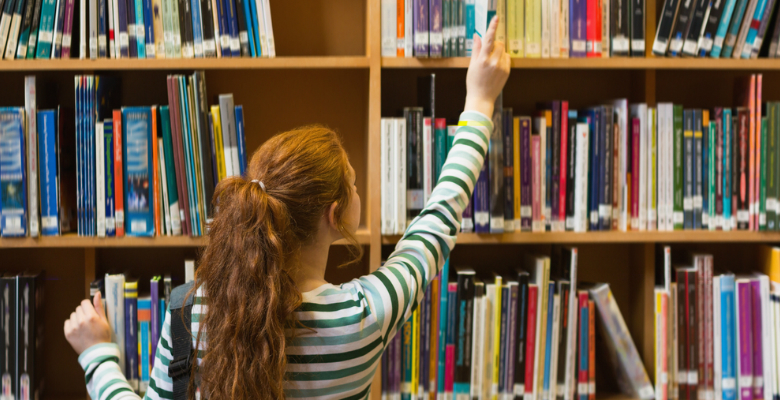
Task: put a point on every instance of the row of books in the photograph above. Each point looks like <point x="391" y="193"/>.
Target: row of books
<point x="615" y="166"/>
<point x="716" y="335"/>
<point x="136" y="321"/>
<point x="529" y="28"/>
<point x="139" y="171"/>
<point x="528" y="333"/>
<point x="21" y="335"/>
<point x="44" y="29"/>
<point x="726" y="29"/>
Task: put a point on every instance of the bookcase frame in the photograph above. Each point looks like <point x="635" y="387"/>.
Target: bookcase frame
<point x="626" y="259"/>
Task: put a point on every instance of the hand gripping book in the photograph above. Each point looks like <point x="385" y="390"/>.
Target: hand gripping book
<point x="115" y="312"/>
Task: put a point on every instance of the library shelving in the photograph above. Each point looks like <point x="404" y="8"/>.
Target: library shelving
<point x="329" y="70"/>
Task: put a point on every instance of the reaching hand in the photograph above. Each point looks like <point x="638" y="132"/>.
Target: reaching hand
<point x="87" y="325"/>
<point x="488" y="71"/>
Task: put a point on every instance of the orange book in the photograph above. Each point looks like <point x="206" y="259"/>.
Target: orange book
<point x="400" y="29"/>
<point x="591" y="350"/>
<point x="155" y="174"/>
<point x="119" y="199"/>
<point x="756" y="124"/>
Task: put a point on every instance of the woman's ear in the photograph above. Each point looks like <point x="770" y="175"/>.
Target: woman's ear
<point x="332" y="216"/>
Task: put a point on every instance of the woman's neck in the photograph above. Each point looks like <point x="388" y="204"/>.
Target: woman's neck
<point x="312" y="262"/>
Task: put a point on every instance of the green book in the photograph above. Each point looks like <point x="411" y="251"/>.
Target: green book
<point x="771" y="166"/>
<point x="774" y="124"/>
<point x="45" y="30"/>
<point x="762" y="177"/>
<point x="447" y="28"/>
<point x="170" y="169"/>
<point x="711" y="167"/>
<point x="677" y="214"/>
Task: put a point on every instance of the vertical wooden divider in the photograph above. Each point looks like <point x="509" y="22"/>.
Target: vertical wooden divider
<point x="640" y="316"/>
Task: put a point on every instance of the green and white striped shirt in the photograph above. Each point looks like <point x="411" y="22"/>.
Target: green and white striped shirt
<point x="353" y="322"/>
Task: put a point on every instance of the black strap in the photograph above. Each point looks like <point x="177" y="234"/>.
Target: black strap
<point x="180" y="367"/>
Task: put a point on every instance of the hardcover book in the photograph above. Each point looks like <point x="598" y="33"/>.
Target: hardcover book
<point x="137" y="155"/>
<point x="13" y="189"/>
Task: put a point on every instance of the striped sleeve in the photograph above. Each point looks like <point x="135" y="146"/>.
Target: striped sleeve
<point x="105" y="380"/>
<point x="395" y="289"/>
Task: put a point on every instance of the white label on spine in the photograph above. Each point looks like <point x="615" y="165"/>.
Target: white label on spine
<point x="120" y="217"/>
<point x="66" y="40"/>
<point x="224" y="41"/>
<point x="462" y="30"/>
<point x="234" y="43"/>
<point x="594" y="217"/>
<point x="678" y="217"/>
<point x="619" y="44"/>
<point x="729" y="383"/>
<point x="176" y="40"/>
<point x="49" y="222"/>
<point x="209" y="45"/>
<point x="168" y="36"/>
<point x="693" y="377"/>
<point x="198" y="49"/>
<point x="660" y="46"/>
<point x="436" y="38"/>
<point x="762" y="218"/>
<point x="689" y="47"/>
<point x="186" y="51"/>
<point x="526" y="211"/>
<point x="481" y="218"/>
<point x="687" y="203"/>
<point x="421" y="38"/>
<point x="605" y="211"/>
<point x="675" y="45"/>
<point x="705" y="43"/>
<point x="697" y="202"/>
<point x="101" y="40"/>
<point x="718" y="41"/>
<point x="592" y="387"/>
<point x="746" y="381"/>
<point x="705" y="218"/>
<point x="131" y="29"/>
<point x="92" y="45"/>
<point x="139" y="30"/>
<point x="638" y="44"/>
<point x="743" y="216"/>
<point x="243" y="36"/>
<point x="124" y="40"/>
<point x="771" y="204"/>
<point x="45" y="36"/>
<point x="569" y="222"/>
<point x="682" y="377"/>
<point x="138" y="225"/>
<point x="150" y="50"/>
<point x="582" y="388"/>
<point x="577" y="45"/>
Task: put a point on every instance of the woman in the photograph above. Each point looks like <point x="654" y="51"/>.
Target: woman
<point x="265" y="268"/>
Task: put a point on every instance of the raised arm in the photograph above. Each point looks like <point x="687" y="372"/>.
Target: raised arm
<point x="395" y="289"/>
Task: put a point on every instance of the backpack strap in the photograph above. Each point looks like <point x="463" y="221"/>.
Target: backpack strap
<point x="181" y="316"/>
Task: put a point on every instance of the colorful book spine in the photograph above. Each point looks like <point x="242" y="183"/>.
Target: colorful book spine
<point x="508" y="134"/>
<point x="530" y="348"/>
<point x="728" y="147"/>
<point x="452" y="328"/>
<point x="144" y="343"/>
<point x="728" y="338"/>
<point x="744" y="338"/>
<point x="421" y="31"/>
<point x="13" y="206"/>
<point x="47" y="157"/>
<point x="526" y="176"/>
<point x="131" y="333"/>
<point x="108" y="159"/>
<point x="582" y="365"/>
<point x="33" y="37"/>
<point x="119" y="185"/>
<point x="137" y="157"/>
<point x="757" y="332"/>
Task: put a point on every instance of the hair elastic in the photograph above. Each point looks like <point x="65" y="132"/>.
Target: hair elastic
<point x="262" y="186"/>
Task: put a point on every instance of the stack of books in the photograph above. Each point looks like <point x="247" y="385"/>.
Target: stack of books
<point x="727" y="29"/>
<point x="529" y="28"/>
<point x="137" y="171"/>
<point x="616" y="166"/>
<point x="21" y="335"/>
<point x="44" y="29"/>
<point x="716" y="335"/>
<point x="525" y="334"/>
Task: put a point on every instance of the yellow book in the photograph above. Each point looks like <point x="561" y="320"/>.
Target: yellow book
<point x="415" y="351"/>
<point x="516" y="175"/>
<point x="496" y="338"/>
<point x="515" y="30"/>
<point x="502" y="25"/>
<point x="769" y="259"/>
<point x="533" y="28"/>
<point x="198" y="170"/>
<point x="219" y="151"/>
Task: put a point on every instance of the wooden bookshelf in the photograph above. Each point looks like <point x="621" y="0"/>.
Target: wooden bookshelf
<point x="331" y="71"/>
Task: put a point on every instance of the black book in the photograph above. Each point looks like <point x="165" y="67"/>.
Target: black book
<point x="665" y="26"/>
<point x="185" y="29"/>
<point x="688" y="158"/>
<point x="555" y="175"/>
<point x="619" y="28"/>
<point x="58" y="27"/>
<point x="414" y="162"/>
<point x="710" y="28"/>
<point x="774" y="27"/>
<point x="29" y="336"/>
<point x="571" y="172"/>
<point x="209" y="180"/>
<point x="521" y="333"/>
<point x="36" y="20"/>
<point x="681" y="27"/>
<point x="637" y="28"/>
<point x="735" y="153"/>
<point x="691" y="43"/>
<point x="207" y="17"/>
<point x="682" y="329"/>
<point x="8" y="309"/>
<point x="706" y="202"/>
<point x="605" y="196"/>
<point x="464" y="325"/>
<point x="693" y="339"/>
<point x="426" y="95"/>
<point x="243" y="36"/>
<point x="21" y="48"/>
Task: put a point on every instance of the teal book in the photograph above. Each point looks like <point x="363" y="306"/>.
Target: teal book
<point x="189" y="155"/>
<point x="440" y="145"/>
<point x="728" y="138"/>
<point x="443" y="296"/>
<point x="144" y="341"/>
<point x="733" y="31"/>
<point x="170" y="170"/>
<point x="407" y="358"/>
<point x="13" y="188"/>
<point x="723" y="27"/>
<point x="45" y="30"/>
<point x="140" y="31"/>
<point x="137" y="161"/>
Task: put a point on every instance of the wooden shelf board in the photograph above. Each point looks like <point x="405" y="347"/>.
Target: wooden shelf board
<point x="611" y="237"/>
<point x="74" y="241"/>
<point x="652" y="63"/>
<point x="186" y="64"/>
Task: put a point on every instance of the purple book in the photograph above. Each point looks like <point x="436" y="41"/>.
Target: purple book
<point x="67" y="29"/>
<point x="122" y="37"/>
<point x="481" y="200"/>
<point x="421" y="33"/>
<point x="526" y="217"/>
<point x="435" y="22"/>
<point x="758" y="359"/>
<point x="555" y="165"/>
<point x="467" y="225"/>
<point x="578" y="19"/>
<point x="154" y="288"/>
<point x="511" y="354"/>
<point x="745" y="339"/>
<point x="397" y="365"/>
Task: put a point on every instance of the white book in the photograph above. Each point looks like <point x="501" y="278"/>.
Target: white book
<point x="564" y="28"/>
<point x="189" y="271"/>
<point x="400" y="191"/>
<point x="100" y="181"/>
<point x="477" y="351"/>
<point x="110" y="16"/>
<point x="408" y="28"/>
<point x="269" y="29"/>
<point x="5" y="26"/>
<point x="227" y="116"/>
<point x="716" y="340"/>
<point x="556" y="337"/>
<point x="386" y="145"/>
<point x="670" y="167"/>
<point x="389" y="13"/>
<point x="164" y="187"/>
<point x="13" y="36"/>
<point x="581" y="179"/>
<point x="83" y="30"/>
<point x="31" y="113"/>
<point x="487" y="347"/>
<point x="115" y="53"/>
<point x="427" y="159"/>
<point x="555" y="34"/>
<point x="545" y="23"/>
<point x="115" y="312"/>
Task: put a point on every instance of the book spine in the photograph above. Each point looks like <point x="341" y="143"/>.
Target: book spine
<point x="743" y="167"/>
<point x="132" y="29"/>
<point x="388" y="13"/>
<point x="408" y="28"/>
<point x="495" y="172"/>
<point x="757" y="348"/>
<point x="185" y="27"/>
<point x="158" y="31"/>
<point x="102" y="15"/>
<point x="47" y="147"/>
<point x="509" y="169"/>
<point x="444" y="327"/>
<point x="167" y="28"/>
<point x="761" y="167"/>
<point x="100" y="180"/>
<point x="697" y="169"/>
<point x="771" y="166"/>
<point x="108" y="168"/>
<point x="500" y="388"/>
<point x="136" y="139"/>
<point x="635" y="166"/>
<point x="530" y="349"/>
<point x="526" y="171"/>
<point x="693" y="31"/>
<point x="571" y="170"/>
<point x="24" y="33"/>
<point x="744" y="339"/>
<point x="728" y="146"/>
<point x="243" y="35"/>
<point x="581" y="183"/>
<point x="452" y="328"/>
<point x="563" y="163"/>
<point x="32" y="40"/>
<point x="112" y="49"/>
<point x="606" y="170"/>
<point x="595" y="167"/>
<point x="582" y="380"/>
<point x="578" y="28"/>
<point x="554" y="178"/>
<point x="533" y="29"/>
<point x="124" y="32"/>
<point x="43" y="49"/>
<point x="759" y="39"/>
<point x="665" y="26"/>
<point x="421" y="31"/>
<point x="131" y="333"/>
<point x="119" y="213"/>
<point x="536" y="172"/>
<point x="400" y="43"/>
<point x="13" y="34"/>
<point x="517" y="186"/>
<point x="728" y="337"/>
<point x="224" y="29"/>
<point x="521" y="329"/>
<point x="436" y="41"/>
<point x="13" y="215"/>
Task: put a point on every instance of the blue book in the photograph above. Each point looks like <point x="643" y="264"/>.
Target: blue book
<point x="108" y="158"/>
<point x="728" y="335"/>
<point x="232" y="25"/>
<point x="89" y="130"/>
<point x="443" y="299"/>
<point x="131" y="333"/>
<point x="223" y="41"/>
<point x="131" y="29"/>
<point x="254" y="25"/>
<point x="594" y="124"/>
<point x="102" y="26"/>
<point x="58" y="28"/>
<point x="47" y="160"/>
<point x="753" y="31"/>
<point x="509" y="163"/>
<point x="137" y="153"/>
<point x="723" y="27"/>
<point x="736" y="23"/>
<point x="121" y="31"/>
<point x="583" y="349"/>
<point x="13" y="188"/>
<point x="77" y="82"/>
<point x="482" y="199"/>
<point x="140" y="29"/>
<point x="197" y="28"/>
<point x="241" y="139"/>
<point x="150" y="50"/>
<point x="548" y="340"/>
<point x="144" y="341"/>
<point x="728" y="137"/>
<point x="250" y="30"/>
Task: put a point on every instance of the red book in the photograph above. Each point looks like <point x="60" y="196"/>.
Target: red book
<point x="530" y="344"/>
<point x="181" y="178"/>
<point x="591" y="350"/>
<point x="709" y="351"/>
<point x="119" y="199"/>
<point x="155" y="175"/>
<point x="682" y="365"/>
<point x="745" y="96"/>
<point x="635" y="157"/>
<point x="698" y="263"/>
<point x="564" y="168"/>
<point x="593" y="28"/>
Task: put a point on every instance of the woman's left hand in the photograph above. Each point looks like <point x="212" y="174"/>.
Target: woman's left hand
<point x="87" y="325"/>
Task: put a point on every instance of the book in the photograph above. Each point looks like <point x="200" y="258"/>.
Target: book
<point x="13" y="204"/>
<point x="137" y="156"/>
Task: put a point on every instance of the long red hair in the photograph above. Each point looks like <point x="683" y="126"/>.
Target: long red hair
<point x="248" y="266"/>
